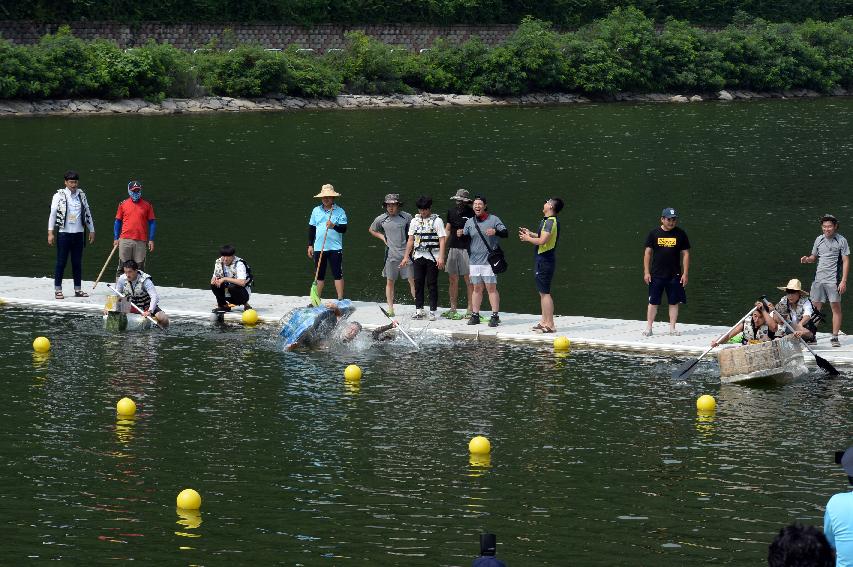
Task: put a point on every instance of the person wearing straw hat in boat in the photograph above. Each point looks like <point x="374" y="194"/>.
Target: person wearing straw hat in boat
<point x="392" y="228"/>
<point x="795" y="308"/>
<point x="326" y="226"/>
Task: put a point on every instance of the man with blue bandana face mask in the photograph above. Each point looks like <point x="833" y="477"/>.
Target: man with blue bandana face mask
<point x="133" y="232"/>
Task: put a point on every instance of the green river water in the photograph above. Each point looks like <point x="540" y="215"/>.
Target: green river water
<point x="598" y="458"/>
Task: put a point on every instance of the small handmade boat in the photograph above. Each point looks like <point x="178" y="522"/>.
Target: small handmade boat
<point x="118" y="317"/>
<point x="779" y="360"/>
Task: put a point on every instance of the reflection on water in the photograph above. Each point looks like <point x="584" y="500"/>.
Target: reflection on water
<point x="594" y="451"/>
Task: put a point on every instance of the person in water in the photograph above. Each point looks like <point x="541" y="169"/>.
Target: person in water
<point x="759" y="328"/>
<point x="317" y="327"/>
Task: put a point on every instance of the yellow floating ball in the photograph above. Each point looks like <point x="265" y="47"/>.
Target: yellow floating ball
<point x="352" y="373"/>
<point x="126" y="406"/>
<point x="189" y="499"/>
<point x="250" y="317"/>
<point x="706" y="403"/>
<point x="562" y="344"/>
<point x="479" y="445"/>
<point x="41" y="344"/>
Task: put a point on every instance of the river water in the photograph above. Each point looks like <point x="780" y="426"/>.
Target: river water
<point x="598" y="458"/>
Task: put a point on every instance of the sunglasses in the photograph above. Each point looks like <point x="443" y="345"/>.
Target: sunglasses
<point x="790" y="291"/>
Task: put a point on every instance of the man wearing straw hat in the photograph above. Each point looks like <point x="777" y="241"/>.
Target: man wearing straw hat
<point x="796" y="309"/>
<point x="326" y="226"/>
<point x="392" y="228"/>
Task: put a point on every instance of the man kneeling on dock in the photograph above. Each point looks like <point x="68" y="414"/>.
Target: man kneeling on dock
<point x="137" y="287"/>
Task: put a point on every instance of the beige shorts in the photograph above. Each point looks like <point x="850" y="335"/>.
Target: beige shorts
<point x="457" y="262"/>
<point x="131" y="250"/>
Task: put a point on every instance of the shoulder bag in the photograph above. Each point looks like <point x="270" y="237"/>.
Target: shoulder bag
<point x="496" y="257"/>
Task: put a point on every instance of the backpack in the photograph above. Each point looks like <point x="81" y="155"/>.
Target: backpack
<point x="250" y="277"/>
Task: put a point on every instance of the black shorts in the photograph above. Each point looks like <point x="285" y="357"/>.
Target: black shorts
<point x="675" y="293"/>
<point x="333" y="258"/>
<point x="544" y="270"/>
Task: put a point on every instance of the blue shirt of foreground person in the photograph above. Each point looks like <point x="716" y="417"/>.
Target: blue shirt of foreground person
<point x="488" y="548"/>
<point x="838" y="518"/>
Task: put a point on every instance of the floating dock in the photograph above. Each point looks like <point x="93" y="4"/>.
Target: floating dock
<point x="588" y="332"/>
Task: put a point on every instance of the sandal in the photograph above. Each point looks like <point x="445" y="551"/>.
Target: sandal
<point x="538" y="328"/>
<point x="80" y="293"/>
<point x="58" y="294"/>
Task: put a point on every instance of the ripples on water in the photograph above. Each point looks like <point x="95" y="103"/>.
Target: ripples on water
<point x="598" y="458"/>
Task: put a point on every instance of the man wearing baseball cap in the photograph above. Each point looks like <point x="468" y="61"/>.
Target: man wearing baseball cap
<point x="666" y="261"/>
<point x="392" y="228"/>
<point x="838" y="518"/>
<point x="133" y="231"/>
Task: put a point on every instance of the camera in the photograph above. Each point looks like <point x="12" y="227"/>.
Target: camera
<point x="489" y="542"/>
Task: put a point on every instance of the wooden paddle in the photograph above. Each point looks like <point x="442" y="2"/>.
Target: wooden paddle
<point x="110" y="257"/>
<point x="315" y="297"/>
<point x="686" y="369"/>
<point x="396" y="324"/>
<point x="821" y="362"/>
<point x="150" y="318"/>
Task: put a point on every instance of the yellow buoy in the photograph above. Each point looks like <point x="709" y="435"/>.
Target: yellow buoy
<point x="352" y="373"/>
<point x="706" y="403"/>
<point x="41" y="344"/>
<point x="250" y="317"/>
<point x="126" y="406"/>
<point x="189" y="499"/>
<point x="562" y="344"/>
<point x="479" y="445"/>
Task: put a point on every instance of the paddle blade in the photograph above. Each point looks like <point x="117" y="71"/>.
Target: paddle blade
<point x="685" y="369"/>
<point x="825" y="365"/>
<point x="315" y="297"/>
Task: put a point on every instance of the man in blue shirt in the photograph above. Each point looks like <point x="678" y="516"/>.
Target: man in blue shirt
<point x="838" y="518"/>
<point x="326" y="227"/>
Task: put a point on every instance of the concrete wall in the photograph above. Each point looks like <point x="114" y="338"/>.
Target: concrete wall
<point x="192" y="36"/>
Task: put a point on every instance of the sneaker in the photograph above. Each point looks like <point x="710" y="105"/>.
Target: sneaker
<point x="419" y="314"/>
<point x="432" y="315"/>
<point x="834" y="341"/>
<point x="494" y="320"/>
<point x="647" y="333"/>
<point x="246" y="307"/>
<point x="475" y="319"/>
<point x="223" y="309"/>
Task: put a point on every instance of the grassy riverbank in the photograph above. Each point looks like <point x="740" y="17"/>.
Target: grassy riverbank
<point x="620" y="53"/>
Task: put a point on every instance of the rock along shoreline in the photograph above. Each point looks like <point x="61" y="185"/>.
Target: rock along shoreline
<point x="345" y="102"/>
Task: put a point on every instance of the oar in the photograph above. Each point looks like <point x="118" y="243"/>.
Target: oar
<point x="686" y="369"/>
<point x="150" y="318"/>
<point x="821" y="362"/>
<point x="405" y="334"/>
<point x="110" y="257"/>
<point x="315" y="297"/>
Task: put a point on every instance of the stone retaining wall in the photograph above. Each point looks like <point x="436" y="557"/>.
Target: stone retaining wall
<point x="423" y="100"/>
<point x="193" y="36"/>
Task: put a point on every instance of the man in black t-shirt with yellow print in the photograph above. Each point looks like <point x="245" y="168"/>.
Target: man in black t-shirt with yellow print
<point x="666" y="261"/>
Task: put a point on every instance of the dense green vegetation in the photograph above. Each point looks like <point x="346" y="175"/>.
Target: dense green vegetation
<point x="622" y="52"/>
<point x="564" y="13"/>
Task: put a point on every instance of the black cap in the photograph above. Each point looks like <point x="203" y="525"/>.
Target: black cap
<point x="488" y="544"/>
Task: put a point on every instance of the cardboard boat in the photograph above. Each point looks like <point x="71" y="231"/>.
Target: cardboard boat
<point x="779" y="360"/>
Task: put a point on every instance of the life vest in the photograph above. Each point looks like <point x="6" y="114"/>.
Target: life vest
<point x="426" y="237"/>
<point x="62" y="208"/>
<point x="220" y="270"/>
<point x="751" y="335"/>
<point x="792" y="315"/>
<point x="134" y="291"/>
<point x="551" y="243"/>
